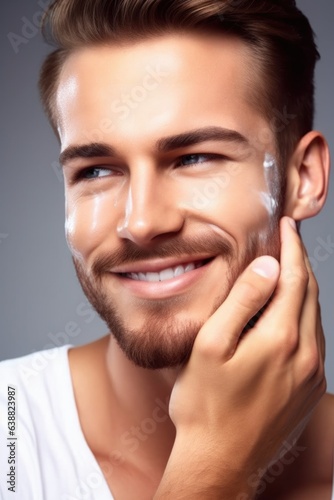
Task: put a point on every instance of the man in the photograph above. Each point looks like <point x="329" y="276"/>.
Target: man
<point x="182" y="191"/>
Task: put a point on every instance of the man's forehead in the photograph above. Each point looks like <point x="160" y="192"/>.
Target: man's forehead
<point x="185" y="56"/>
<point x="174" y="77"/>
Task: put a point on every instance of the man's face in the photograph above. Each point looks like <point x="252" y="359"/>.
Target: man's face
<point x="169" y="184"/>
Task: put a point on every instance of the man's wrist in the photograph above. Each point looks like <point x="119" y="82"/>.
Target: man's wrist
<point x="197" y="472"/>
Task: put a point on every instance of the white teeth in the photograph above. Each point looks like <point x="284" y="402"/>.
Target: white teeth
<point x="190" y="267"/>
<point x="165" y="274"/>
<point x="178" y="271"/>
<point x="152" y="277"/>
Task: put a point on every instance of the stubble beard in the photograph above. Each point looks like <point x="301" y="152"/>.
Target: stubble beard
<point x="164" y="341"/>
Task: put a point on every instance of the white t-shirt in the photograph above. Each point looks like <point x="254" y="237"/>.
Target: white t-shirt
<point x="50" y="461"/>
<point x="46" y="457"/>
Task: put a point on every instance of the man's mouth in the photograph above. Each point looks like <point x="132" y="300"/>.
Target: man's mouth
<point x="165" y="274"/>
<point x="158" y="279"/>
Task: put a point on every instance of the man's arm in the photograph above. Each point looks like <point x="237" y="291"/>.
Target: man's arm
<point x="238" y="400"/>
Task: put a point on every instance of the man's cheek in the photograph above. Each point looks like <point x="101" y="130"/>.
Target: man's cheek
<point x="87" y="225"/>
<point x="230" y="199"/>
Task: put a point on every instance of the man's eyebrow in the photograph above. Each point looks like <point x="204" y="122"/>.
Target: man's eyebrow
<point x="93" y="150"/>
<point x="200" y="135"/>
<point x="163" y="145"/>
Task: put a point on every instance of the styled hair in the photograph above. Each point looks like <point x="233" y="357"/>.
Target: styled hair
<point x="278" y="32"/>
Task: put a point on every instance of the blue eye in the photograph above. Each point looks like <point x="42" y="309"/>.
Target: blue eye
<point x="191" y="159"/>
<point x="196" y="158"/>
<point x="95" y="173"/>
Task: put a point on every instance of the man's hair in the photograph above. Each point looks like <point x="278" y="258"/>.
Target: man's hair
<point x="278" y="32"/>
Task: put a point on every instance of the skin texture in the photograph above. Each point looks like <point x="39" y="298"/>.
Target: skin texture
<point x="202" y="209"/>
<point x="149" y="210"/>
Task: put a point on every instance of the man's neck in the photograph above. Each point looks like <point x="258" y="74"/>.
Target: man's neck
<point x="138" y="390"/>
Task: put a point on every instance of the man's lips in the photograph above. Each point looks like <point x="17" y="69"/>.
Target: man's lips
<point x="161" y="282"/>
<point x="161" y="270"/>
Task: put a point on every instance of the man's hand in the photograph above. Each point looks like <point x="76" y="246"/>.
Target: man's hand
<point x="239" y="398"/>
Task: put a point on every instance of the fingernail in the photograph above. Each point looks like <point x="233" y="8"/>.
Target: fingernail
<point x="292" y="223"/>
<point x="266" y="266"/>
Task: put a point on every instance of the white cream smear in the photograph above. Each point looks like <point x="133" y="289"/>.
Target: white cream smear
<point x="70" y="227"/>
<point x="271" y="176"/>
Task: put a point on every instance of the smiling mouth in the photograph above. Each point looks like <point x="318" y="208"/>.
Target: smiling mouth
<point x="166" y="274"/>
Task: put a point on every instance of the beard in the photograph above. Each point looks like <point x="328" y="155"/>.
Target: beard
<point x="165" y="341"/>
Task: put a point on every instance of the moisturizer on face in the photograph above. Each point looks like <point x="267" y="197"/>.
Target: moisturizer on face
<point x="271" y="176"/>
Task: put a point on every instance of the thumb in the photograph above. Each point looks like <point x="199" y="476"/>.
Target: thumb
<point x="221" y="333"/>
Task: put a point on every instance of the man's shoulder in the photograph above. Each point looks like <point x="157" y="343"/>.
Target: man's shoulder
<point x="32" y="387"/>
<point x="52" y="456"/>
<point x="27" y="373"/>
<point x="37" y="361"/>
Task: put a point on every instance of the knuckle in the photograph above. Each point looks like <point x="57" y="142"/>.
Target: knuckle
<point x="207" y="348"/>
<point x="311" y="365"/>
<point x="288" y="340"/>
<point x="214" y="354"/>
<point x="295" y="275"/>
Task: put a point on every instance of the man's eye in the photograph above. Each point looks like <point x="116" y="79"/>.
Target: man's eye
<point x="94" y="173"/>
<point x="193" y="159"/>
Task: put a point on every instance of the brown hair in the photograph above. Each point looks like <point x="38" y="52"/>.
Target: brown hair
<point x="278" y="32"/>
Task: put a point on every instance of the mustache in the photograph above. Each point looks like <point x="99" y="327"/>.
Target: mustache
<point x="129" y="252"/>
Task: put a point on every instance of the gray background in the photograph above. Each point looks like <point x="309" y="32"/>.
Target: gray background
<point x="41" y="303"/>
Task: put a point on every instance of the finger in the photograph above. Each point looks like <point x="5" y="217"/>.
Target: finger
<point x="311" y="315"/>
<point x="312" y="294"/>
<point x="253" y="288"/>
<point x="294" y="277"/>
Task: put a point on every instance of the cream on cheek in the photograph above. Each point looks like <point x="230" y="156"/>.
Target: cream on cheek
<point x="271" y="175"/>
<point x="270" y="197"/>
<point x="91" y="222"/>
<point x="229" y="203"/>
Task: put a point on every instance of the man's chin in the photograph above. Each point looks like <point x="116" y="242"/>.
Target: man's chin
<point x="158" y="344"/>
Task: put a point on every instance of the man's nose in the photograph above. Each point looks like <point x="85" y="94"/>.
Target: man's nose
<point x="152" y="208"/>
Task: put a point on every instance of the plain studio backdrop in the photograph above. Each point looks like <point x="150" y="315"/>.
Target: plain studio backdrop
<point x="41" y="302"/>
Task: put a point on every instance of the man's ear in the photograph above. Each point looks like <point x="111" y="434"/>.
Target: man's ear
<point x="307" y="177"/>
